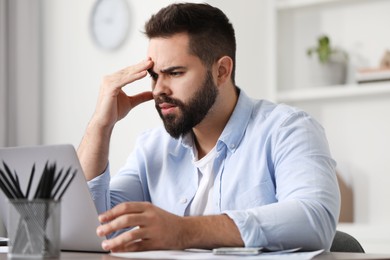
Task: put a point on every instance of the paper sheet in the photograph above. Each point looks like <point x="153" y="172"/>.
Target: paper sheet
<point x="205" y="254"/>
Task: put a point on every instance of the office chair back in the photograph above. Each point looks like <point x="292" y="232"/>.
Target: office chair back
<point x="344" y="242"/>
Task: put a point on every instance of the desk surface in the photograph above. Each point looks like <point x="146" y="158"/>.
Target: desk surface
<point x="324" y="256"/>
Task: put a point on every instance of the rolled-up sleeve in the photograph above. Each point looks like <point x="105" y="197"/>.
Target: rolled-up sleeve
<point x="99" y="188"/>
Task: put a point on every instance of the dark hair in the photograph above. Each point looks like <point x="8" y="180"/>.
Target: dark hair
<point x="211" y="35"/>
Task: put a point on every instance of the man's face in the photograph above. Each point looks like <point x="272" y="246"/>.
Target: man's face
<point x="183" y="89"/>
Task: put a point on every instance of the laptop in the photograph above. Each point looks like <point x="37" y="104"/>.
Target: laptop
<point x="79" y="218"/>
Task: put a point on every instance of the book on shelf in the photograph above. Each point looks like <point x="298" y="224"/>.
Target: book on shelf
<point x="372" y="75"/>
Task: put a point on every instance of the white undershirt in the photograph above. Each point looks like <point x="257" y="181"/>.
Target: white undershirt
<point x="203" y="200"/>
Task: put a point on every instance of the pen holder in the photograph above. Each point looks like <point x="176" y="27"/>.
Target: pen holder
<point x="34" y="228"/>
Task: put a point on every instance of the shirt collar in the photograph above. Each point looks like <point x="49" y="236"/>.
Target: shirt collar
<point x="237" y="124"/>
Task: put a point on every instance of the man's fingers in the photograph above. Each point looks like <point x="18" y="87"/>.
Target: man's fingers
<point x="127" y="78"/>
<point x="121" y="222"/>
<point x="124" y="240"/>
<point x="132" y="73"/>
<point x="123" y="208"/>
<point x="157" y="228"/>
<point x="142" y="245"/>
<point x="140" y="98"/>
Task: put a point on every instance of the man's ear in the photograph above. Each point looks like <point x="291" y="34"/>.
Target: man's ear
<point x="224" y="69"/>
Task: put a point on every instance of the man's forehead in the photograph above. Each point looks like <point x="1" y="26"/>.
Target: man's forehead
<point x="165" y="57"/>
<point x="168" y="52"/>
<point x="161" y="66"/>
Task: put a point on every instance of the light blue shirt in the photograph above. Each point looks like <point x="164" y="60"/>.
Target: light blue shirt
<point x="274" y="176"/>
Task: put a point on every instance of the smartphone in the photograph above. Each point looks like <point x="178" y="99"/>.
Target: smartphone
<point x="237" y="251"/>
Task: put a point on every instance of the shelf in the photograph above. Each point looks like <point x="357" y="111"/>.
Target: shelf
<point x="350" y="23"/>
<point x="292" y="4"/>
<point x="332" y="92"/>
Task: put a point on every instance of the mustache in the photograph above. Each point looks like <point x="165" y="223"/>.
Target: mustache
<point x="164" y="99"/>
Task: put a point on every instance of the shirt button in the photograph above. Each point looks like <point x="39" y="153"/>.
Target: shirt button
<point x="183" y="200"/>
<point x="232" y="146"/>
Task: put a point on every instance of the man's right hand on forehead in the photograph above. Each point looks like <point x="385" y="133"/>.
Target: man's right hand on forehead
<point x="113" y="103"/>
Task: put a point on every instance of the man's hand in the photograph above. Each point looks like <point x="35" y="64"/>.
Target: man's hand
<point x="159" y="229"/>
<point x="113" y="103"/>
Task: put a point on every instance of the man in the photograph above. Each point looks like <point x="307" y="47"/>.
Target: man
<point x="227" y="170"/>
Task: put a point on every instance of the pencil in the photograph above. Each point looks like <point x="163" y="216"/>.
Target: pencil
<point x="30" y="181"/>
<point x="5" y="189"/>
<point x="8" y="185"/>
<point x="40" y="184"/>
<point x="49" y="184"/>
<point x="13" y="182"/>
<point x="67" y="185"/>
<point x="61" y="182"/>
<point x="18" y="185"/>
<point x="57" y="178"/>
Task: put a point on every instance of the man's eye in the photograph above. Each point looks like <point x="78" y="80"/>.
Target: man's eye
<point x="176" y="73"/>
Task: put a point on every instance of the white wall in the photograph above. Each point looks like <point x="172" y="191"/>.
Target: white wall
<point x="73" y="67"/>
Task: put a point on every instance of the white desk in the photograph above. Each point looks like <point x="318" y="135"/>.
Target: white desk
<point x="324" y="256"/>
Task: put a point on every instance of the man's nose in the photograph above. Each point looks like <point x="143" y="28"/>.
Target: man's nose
<point x="161" y="87"/>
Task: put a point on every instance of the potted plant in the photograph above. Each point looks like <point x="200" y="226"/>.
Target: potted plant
<point x="331" y="67"/>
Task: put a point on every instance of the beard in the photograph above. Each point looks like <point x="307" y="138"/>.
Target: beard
<point x="192" y="112"/>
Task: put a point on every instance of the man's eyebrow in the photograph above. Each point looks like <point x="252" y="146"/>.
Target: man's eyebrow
<point x="170" y="69"/>
<point x="164" y="71"/>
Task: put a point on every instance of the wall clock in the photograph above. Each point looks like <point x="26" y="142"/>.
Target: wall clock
<point x="110" y="23"/>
